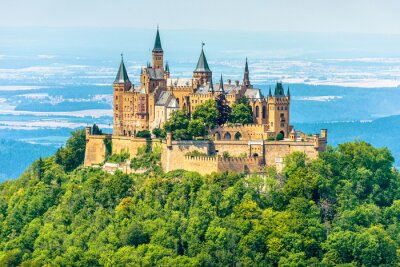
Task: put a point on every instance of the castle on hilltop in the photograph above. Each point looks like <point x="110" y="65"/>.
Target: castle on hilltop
<point x="150" y="104"/>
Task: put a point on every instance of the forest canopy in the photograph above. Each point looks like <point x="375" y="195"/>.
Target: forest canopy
<point x="340" y="209"/>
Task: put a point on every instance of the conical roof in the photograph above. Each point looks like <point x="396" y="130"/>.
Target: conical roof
<point x="157" y="42"/>
<point x="202" y="65"/>
<point x="221" y="85"/>
<point x="246" y="67"/>
<point x="166" y="67"/>
<point x="122" y="75"/>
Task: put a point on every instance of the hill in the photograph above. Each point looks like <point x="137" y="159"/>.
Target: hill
<point x="339" y="209"/>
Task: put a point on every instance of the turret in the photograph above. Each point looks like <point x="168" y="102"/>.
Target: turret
<point x="158" y="53"/>
<point x="121" y="85"/>
<point x="279" y="110"/>
<point x="246" y="76"/>
<point x="166" y="71"/>
<point x="202" y="74"/>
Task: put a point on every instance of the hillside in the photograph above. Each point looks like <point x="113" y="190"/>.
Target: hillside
<point x="340" y="209"/>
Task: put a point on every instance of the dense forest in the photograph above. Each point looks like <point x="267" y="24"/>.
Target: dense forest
<point x="341" y="209"/>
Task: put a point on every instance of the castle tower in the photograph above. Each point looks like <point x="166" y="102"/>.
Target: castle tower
<point x="246" y="77"/>
<point x="202" y="74"/>
<point x="121" y="85"/>
<point x="158" y="53"/>
<point x="279" y="110"/>
<point x="166" y="71"/>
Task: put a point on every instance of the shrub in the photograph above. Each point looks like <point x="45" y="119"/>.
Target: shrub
<point x="270" y="138"/>
<point x="196" y="153"/>
<point x="159" y="133"/>
<point x="118" y="158"/>
<point x="143" y="134"/>
<point x="279" y="137"/>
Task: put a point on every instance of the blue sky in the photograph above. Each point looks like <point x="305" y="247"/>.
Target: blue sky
<point x="362" y="16"/>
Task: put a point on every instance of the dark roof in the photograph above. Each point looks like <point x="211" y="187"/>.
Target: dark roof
<point x="246" y="67"/>
<point x="270" y="93"/>
<point x="166" y="67"/>
<point x="157" y="43"/>
<point x="279" y="91"/>
<point x="288" y="92"/>
<point x="221" y="85"/>
<point x="122" y="75"/>
<point x="155" y="74"/>
<point x="202" y="65"/>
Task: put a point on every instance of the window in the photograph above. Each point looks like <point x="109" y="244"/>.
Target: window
<point x="257" y="111"/>
<point x="264" y="112"/>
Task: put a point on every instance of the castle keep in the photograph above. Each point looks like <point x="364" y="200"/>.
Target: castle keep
<point x="150" y="104"/>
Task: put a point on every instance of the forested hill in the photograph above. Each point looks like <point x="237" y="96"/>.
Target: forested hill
<point x="340" y="209"/>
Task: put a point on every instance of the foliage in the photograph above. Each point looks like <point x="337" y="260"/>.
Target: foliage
<point x="147" y="158"/>
<point x="118" y="158"/>
<point x="96" y="130"/>
<point x="73" y="154"/>
<point x="241" y="112"/>
<point x="178" y="124"/>
<point x="108" y="145"/>
<point x="159" y="133"/>
<point x="224" y="110"/>
<point x="340" y="209"/>
<point x="143" y="134"/>
<point x="208" y="113"/>
<point x="270" y="138"/>
<point x="279" y="137"/>
<point x="197" y="128"/>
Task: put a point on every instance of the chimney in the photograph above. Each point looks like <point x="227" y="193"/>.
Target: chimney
<point x="229" y="81"/>
<point x="237" y="82"/>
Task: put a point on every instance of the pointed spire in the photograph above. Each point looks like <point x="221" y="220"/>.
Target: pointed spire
<point x="221" y="85"/>
<point x="211" y="88"/>
<point x="202" y="64"/>
<point x="288" y="91"/>
<point x="141" y="70"/>
<point x="122" y="75"/>
<point x="246" y="67"/>
<point x="166" y="67"/>
<point x="270" y="93"/>
<point x="157" y="43"/>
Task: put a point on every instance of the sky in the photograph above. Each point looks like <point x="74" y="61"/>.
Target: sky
<point x="358" y="16"/>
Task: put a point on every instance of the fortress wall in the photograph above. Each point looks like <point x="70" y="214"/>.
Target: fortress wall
<point x="95" y="152"/>
<point x="173" y="157"/>
<point x="234" y="148"/>
<point x="239" y="165"/>
<point x="275" y="151"/>
<point x="247" y="131"/>
<point x="130" y="144"/>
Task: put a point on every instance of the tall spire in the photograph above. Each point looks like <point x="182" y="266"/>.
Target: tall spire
<point x="246" y="76"/>
<point x="202" y="65"/>
<point x="211" y="87"/>
<point x="166" y="67"/>
<point x="157" y="43"/>
<point x="221" y="85"/>
<point x="270" y="93"/>
<point x="122" y="75"/>
<point x="288" y="91"/>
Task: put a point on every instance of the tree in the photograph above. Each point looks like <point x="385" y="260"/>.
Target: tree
<point x="73" y="154"/>
<point x="197" y="128"/>
<point x="178" y="124"/>
<point x="159" y="133"/>
<point x="96" y="130"/>
<point x="241" y="113"/>
<point x="279" y="137"/>
<point x="143" y="134"/>
<point x="208" y="113"/>
<point x="224" y="110"/>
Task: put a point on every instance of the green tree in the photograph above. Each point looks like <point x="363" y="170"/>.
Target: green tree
<point x="241" y="112"/>
<point x="208" y="113"/>
<point x="224" y="110"/>
<point x="197" y="127"/>
<point x="96" y="130"/>
<point x="178" y="124"/>
<point x="143" y="134"/>
<point x="73" y="154"/>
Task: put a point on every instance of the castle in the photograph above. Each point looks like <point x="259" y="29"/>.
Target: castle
<point x="150" y="104"/>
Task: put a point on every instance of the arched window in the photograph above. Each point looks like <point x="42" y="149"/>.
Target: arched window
<point x="264" y="112"/>
<point x="257" y="111"/>
<point x="217" y="136"/>
<point x="238" y="136"/>
<point x="227" y="136"/>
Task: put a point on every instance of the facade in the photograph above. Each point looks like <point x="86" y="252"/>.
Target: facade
<point x="150" y="104"/>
